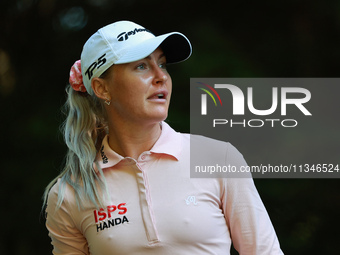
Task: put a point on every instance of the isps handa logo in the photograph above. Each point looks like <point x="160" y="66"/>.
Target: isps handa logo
<point x="222" y="99"/>
<point x="110" y="216"/>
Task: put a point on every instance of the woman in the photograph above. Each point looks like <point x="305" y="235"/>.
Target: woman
<point x="126" y="186"/>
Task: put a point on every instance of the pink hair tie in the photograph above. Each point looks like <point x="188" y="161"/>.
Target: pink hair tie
<point x="76" y="78"/>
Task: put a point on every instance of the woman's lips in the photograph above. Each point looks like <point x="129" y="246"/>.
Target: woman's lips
<point x="159" y="96"/>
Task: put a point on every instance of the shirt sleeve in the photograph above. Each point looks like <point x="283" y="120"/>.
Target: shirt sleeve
<point x="250" y="226"/>
<point x="66" y="238"/>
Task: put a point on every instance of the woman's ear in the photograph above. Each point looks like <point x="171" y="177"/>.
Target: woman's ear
<point x="100" y="88"/>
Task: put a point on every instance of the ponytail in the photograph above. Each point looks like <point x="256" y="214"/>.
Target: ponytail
<point x="84" y="129"/>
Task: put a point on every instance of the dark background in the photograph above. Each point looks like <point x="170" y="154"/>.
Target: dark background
<point x="40" y="40"/>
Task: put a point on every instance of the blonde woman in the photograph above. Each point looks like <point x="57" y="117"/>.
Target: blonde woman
<point x="126" y="186"/>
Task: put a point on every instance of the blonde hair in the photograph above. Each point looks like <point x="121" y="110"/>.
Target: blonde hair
<point x="84" y="128"/>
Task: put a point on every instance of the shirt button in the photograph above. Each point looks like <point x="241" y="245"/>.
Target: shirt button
<point x="143" y="157"/>
<point x="129" y="160"/>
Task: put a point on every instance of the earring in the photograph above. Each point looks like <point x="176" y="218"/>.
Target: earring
<point x="107" y="102"/>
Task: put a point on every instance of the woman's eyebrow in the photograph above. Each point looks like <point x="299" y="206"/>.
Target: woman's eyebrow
<point x="160" y="56"/>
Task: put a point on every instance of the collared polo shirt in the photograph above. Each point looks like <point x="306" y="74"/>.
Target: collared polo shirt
<point x="156" y="208"/>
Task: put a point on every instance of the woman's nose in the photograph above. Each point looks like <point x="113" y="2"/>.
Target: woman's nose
<point x="161" y="75"/>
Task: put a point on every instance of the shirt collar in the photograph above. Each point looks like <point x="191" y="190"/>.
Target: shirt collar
<point x="169" y="143"/>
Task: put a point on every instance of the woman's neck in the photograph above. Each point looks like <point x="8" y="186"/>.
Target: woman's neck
<point x="132" y="140"/>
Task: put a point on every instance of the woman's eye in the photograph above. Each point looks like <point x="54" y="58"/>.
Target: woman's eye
<point x="163" y="65"/>
<point x="141" y="66"/>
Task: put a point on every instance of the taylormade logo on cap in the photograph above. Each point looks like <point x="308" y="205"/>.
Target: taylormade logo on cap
<point x="125" y="35"/>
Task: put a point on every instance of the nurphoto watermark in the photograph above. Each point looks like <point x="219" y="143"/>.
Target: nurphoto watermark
<point x="284" y="127"/>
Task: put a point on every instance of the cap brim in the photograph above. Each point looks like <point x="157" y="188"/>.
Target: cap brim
<point x="175" y="45"/>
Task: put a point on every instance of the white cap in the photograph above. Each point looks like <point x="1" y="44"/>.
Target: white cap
<point x="124" y="42"/>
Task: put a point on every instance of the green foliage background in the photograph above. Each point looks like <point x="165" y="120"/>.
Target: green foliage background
<point x="40" y="40"/>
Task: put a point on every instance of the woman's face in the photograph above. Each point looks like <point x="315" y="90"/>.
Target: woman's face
<point x="140" y="91"/>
